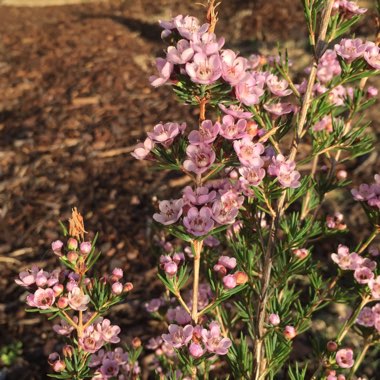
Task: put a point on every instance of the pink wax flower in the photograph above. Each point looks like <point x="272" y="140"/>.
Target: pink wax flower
<point x="366" y="317"/>
<point x="64" y="328"/>
<point x="28" y="277"/>
<point x="63" y="302"/>
<point x="279" y="109"/>
<point x="372" y="56"/>
<point x="328" y="67"/>
<point x="338" y="95"/>
<point x="168" y="26"/>
<point x="204" y="69"/>
<point x="222" y="214"/>
<point x="188" y="26"/>
<point x="197" y="222"/>
<point x="91" y="340"/>
<point x="249" y="90"/>
<point x="232" y="130"/>
<point x="164" y="69"/>
<point x="200" y="196"/>
<point x="235" y="111"/>
<point x="372" y="92"/>
<point x="72" y="244"/>
<point x="117" y="274"/>
<point x="374" y="285"/>
<point x="325" y="124"/>
<point x="42" y="298"/>
<point x="363" y="275"/>
<point x="227" y="262"/>
<point x="58" y="289"/>
<point x="255" y="60"/>
<point x="350" y="49"/>
<point x="300" y="253"/>
<point x="211" y="242"/>
<point x="251" y="176"/>
<point x="178" y="336"/>
<point x="143" y="149"/>
<point x="200" y="158"/>
<point x="289" y="332"/>
<point x="78" y="300"/>
<point x="364" y="193"/>
<point x="170" y="268"/>
<point x="285" y="171"/>
<point x="108" y="332"/>
<point x="85" y="247"/>
<point x="170" y="211"/>
<point x="196" y="350"/>
<point x="165" y="133"/>
<point x="153" y="305"/>
<point x="234" y="68"/>
<point x="278" y="87"/>
<point x="214" y="341"/>
<point x="274" y="319"/>
<point x="249" y="152"/>
<point x="117" y="288"/>
<point x="345" y="358"/>
<point x="57" y="246"/>
<point x="349" y="9"/>
<point x="109" y="368"/>
<point x="345" y="259"/>
<point x="206" y="134"/>
<point x="206" y="43"/>
<point x="373" y="250"/>
<point x="229" y="281"/>
<point x="180" y="54"/>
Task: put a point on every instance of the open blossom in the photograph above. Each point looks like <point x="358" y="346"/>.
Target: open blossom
<point x="279" y="109"/>
<point x="200" y="158"/>
<point x="364" y="193"/>
<point x="78" y="300"/>
<point x="200" y="196"/>
<point x="164" y="69"/>
<point x="206" y="43"/>
<point x="91" y="340"/>
<point x="108" y="332"/>
<point x="285" y="171"/>
<point x="345" y="259"/>
<point x="188" y="26"/>
<point x="42" y="298"/>
<point x="64" y="328"/>
<point x="214" y="341"/>
<point x="350" y="49"/>
<point x="206" y="134"/>
<point x="345" y="358"/>
<point x="165" y="133"/>
<point x="178" y="336"/>
<point x="235" y="111"/>
<point x="170" y="211"/>
<point x="223" y="214"/>
<point x="251" y="176"/>
<point x="178" y="315"/>
<point x="363" y="275"/>
<point x="232" y="130"/>
<point x="372" y="56"/>
<point x="366" y="317"/>
<point x="28" y="277"/>
<point x="181" y="53"/>
<point x="233" y="67"/>
<point x="374" y="285"/>
<point x="348" y="8"/>
<point x="109" y="368"/>
<point x="328" y="66"/>
<point x="249" y="90"/>
<point x="196" y="350"/>
<point x="153" y="305"/>
<point x="143" y="149"/>
<point x="204" y="69"/>
<point x="249" y="152"/>
<point x="199" y="222"/>
<point x="278" y="87"/>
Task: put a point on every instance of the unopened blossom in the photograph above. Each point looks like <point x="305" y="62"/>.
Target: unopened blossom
<point x="178" y="336"/>
<point x="165" y="133"/>
<point x="234" y="68"/>
<point x="170" y="211"/>
<point x="42" y="298"/>
<point x="366" y="317"/>
<point x="63" y="328"/>
<point x="336" y="221"/>
<point x="363" y="275"/>
<point x="350" y="49"/>
<point x="249" y="90"/>
<point x="229" y="281"/>
<point x="117" y="274"/>
<point x="187" y="26"/>
<point x="109" y="368"/>
<point x="196" y="350"/>
<point x="289" y="332"/>
<point x="372" y="92"/>
<point x="373" y="250"/>
<point x="170" y="268"/>
<point x="181" y="53"/>
<point x="72" y="244"/>
<point x="372" y="56"/>
<point x="200" y="158"/>
<point x="374" y="285"/>
<point x="279" y="109"/>
<point x="142" y="150"/>
<point x="78" y="300"/>
<point x="345" y="358"/>
<point x="249" y="152"/>
<point x="58" y="289"/>
<point x="57" y="246"/>
<point x="108" y="332"/>
<point x="300" y="253"/>
<point x="214" y="341"/>
<point x="91" y="340"/>
<point x="117" y="288"/>
<point x="235" y="111"/>
<point x="241" y="278"/>
<point x="251" y="176"/>
<point x="325" y="124"/>
<point x="206" y="134"/>
<point x="204" y="69"/>
<point x="63" y="302"/>
<point x="331" y="346"/>
<point x="200" y="196"/>
<point x="278" y="87"/>
<point x="85" y="247"/>
<point x="198" y="222"/>
<point x="274" y="319"/>
<point x="231" y="129"/>
<point x="164" y="69"/>
<point x="206" y="43"/>
<point x="224" y="264"/>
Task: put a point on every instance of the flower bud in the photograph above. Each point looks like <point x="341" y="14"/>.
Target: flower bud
<point x="171" y="268"/>
<point x="68" y="351"/>
<point x="53" y="358"/>
<point x="196" y="350"/>
<point x="274" y="319"/>
<point x="372" y="92"/>
<point x="229" y="281"/>
<point x="289" y="332"/>
<point x="136" y="342"/>
<point x="58" y="289"/>
<point x="117" y="274"/>
<point x="85" y="247"/>
<point x="59" y="366"/>
<point x="56" y="246"/>
<point x="331" y="346"/>
<point x="72" y="244"/>
<point x="241" y="277"/>
<point x="72" y="256"/>
<point x="62" y="302"/>
<point x="117" y="288"/>
<point x="300" y="253"/>
<point x="341" y="174"/>
<point x="128" y="286"/>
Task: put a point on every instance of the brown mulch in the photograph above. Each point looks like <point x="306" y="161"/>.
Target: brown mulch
<point x="74" y="97"/>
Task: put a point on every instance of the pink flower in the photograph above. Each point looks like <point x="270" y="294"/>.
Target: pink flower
<point x="109" y="368"/>
<point x="178" y="336"/>
<point x="42" y="298"/>
<point x="345" y="259"/>
<point x="28" y="277"/>
<point x="227" y="262"/>
<point x="108" y="332"/>
<point x="285" y="171"/>
<point x="168" y="26"/>
<point x="199" y="196"/>
<point x="165" y="133"/>
<point x="197" y="222"/>
<point x="255" y="60"/>
<point x="364" y="193"/>
<point x="213" y="340"/>
<point x="350" y="49"/>
<point x="232" y="130"/>
<point x="196" y="350"/>
<point x="374" y="285"/>
<point x="249" y="90"/>
<point x="328" y="66"/>
<point x="153" y="305"/>
<point x="143" y="149"/>
<point x="277" y="86"/>
<point x="222" y="214"/>
<point x="325" y="124"/>
<point x="72" y="244"/>
<point x="300" y="253"/>
<point x="170" y="211"/>
<point x="188" y="26"/>
<point x="204" y="69"/>
<point x="180" y="54"/>
<point x="373" y="250"/>
<point x="170" y="268"/>
<point x="349" y="8"/>
<point x="117" y="274"/>
<point x="117" y="288"/>
<point x="289" y="332"/>
<point x="345" y="358"/>
<point x="372" y="56"/>
<point x="249" y="152"/>
<point x="229" y="281"/>
<point x="78" y="300"/>
<point x="372" y="92"/>
<point x="366" y="317"/>
<point x="233" y="67"/>
<point x="235" y="111"/>
<point x="274" y="319"/>
<point x="63" y="328"/>
<point x="200" y="158"/>
<point x="363" y="275"/>
<point x="164" y="69"/>
<point x="91" y="340"/>
<point x="206" y="43"/>
<point x="206" y="134"/>
<point x="279" y="109"/>
<point x="251" y="176"/>
<point x="56" y="246"/>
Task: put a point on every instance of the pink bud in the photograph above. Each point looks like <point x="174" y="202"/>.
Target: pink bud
<point x="171" y="268"/>
<point x="289" y="332"/>
<point x="341" y="174"/>
<point x="331" y="346"/>
<point x="68" y="351"/>
<point x="196" y="350"/>
<point x="229" y="281"/>
<point x="372" y="92"/>
<point x="300" y="253"/>
<point x="59" y="366"/>
<point x="85" y="247"/>
<point x="72" y="244"/>
<point x="128" y="286"/>
<point x="72" y="256"/>
<point x="274" y="319"/>
<point x="117" y="274"/>
<point x="240" y="277"/>
<point x="53" y="358"/>
<point x="117" y="288"/>
<point x="62" y="302"/>
<point x="56" y="246"/>
<point x="58" y="289"/>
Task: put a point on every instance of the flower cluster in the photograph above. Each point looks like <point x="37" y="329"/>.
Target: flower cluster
<point x="369" y="194"/>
